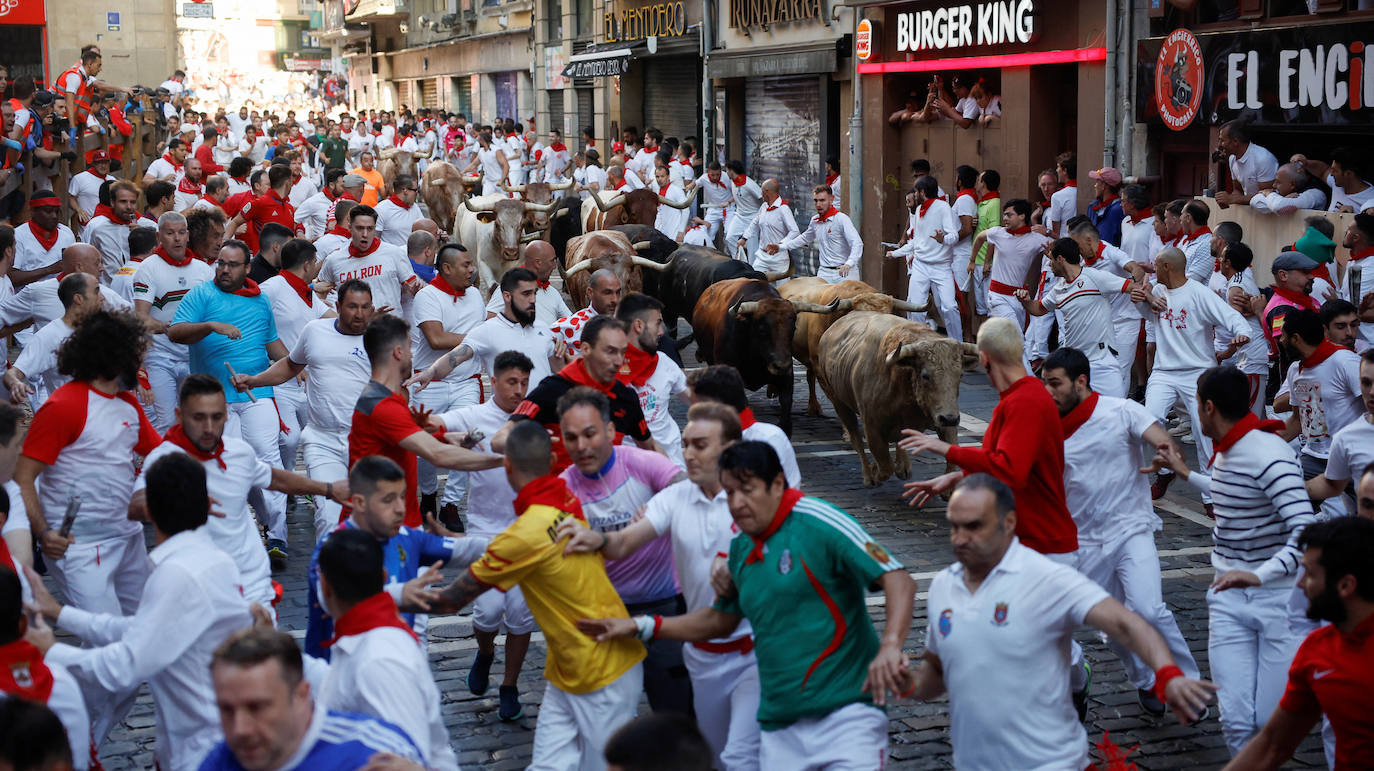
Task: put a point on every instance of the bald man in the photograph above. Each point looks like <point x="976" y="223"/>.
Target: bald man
<point x="429" y="226"/>
<point x="37" y="303"/>
<point x="1293" y="190"/>
<point x="549" y="306"/>
<point x="774" y="224"/>
<point x="604" y="290"/>
<point x="421" y="247"/>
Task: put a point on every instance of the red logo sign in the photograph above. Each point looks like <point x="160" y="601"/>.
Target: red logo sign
<point x="21" y="12"/>
<point x="863" y="40"/>
<point x="1178" y="79"/>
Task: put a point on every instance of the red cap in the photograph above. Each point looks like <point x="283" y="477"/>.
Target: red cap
<point x="617" y="147"/>
<point x="99" y="155"/>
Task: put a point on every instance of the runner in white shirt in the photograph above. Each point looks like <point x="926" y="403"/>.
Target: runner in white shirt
<point x="1138" y="226"/>
<point x="514" y="149"/>
<point x="654" y="376"/>
<point x="191" y="186"/>
<point x="84" y="188"/>
<point x="338" y="236"/>
<point x="718" y="193"/>
<point x="38" y="303"/>
<point x="384" y="267"/>
<point x="109" y="231"/>
<point x="302" y="186"/>
<point x="833" y="235"/>
<point x="929" y="257"/>
<point x="1064" y="201"/>
<point x="293" y="306"/>
<point x="490" y="160"/>
<point x="1000" y="621"/>
<point x="965" y="212"/>
<point x="748" y="201"/>
<point x="549" y="305"/>
<point x="252" y="146"/>
<point x="1253" y="357"/>
<point x="159" y="284"/>
<point x="445" y="311"/>
<point x="39" y="242"/>
<point x="377" y="665"/>
<point x="773" y="224"/>
<point x="191" y="603"/>
<point x="1126" y="316"/>
<point x="1109" y="500"/>
<point x="695" y="514"/>
<point x="338" y="370"/>
<point x="673" y="214"/>
<point x="316" y="213"/>
<point x="1012" y="248"/>
<point x="490" y="510"/>
<point x="1352" y="447"/>
<point x="359" y="141"/>
<point x="1196" y="242"/>
<point x="722" y="383"/>
<point x="35" y="371"/>
<point x="226" y="147"/>
<point x="398" y="212"/>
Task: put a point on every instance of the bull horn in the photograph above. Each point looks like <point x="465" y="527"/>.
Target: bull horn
<point x="902" y="352"/>
<point x="674" y="204"/>
<point x="563" y="186"/>
<point x="902" y="306"/>
<point x="515" y="189"/>
<point x="540" y="207"/>
<point x="845" y="305"/>
<point x="777" y="275"/>
<point x="640" y="246"/>
<point x="529" y="237"/>
<point x="437" y="182"/>
<point x="747" y="308"/>
<point x="574" y="270"/>
<point x="645" y="262"/>
<point x="607" y="206"/>
<point x="801" y="306"/>
<point x="489" y="206"/>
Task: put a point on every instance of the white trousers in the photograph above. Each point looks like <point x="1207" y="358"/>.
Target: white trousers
<point x="725" y="695"/>
<point x="852" y="738"/>
<point x="1078" y="674"/>
<point x="937" y="281"/>
<point x="1169" y="386"/>
<point x="1127" y="337"/>
<point x="326" y="460"/>
<point x="1104" y="370"/>
<point x="1250" y="645"/>
<point x="572" y="729"/>
<point x="735" y="226"/>
<point x="165" y="376"/>
<point x="440" y="397"/>
<point x="1258" y="383"/>
<point x="502" y="612"/>
<point x="258" y="424"/>
<point x="772" y="263"/>
<point x="960" y="267"/>
<point x="1007" y="307"/>
<point x="1129" y="570"/>
<point x="290" y="398"/>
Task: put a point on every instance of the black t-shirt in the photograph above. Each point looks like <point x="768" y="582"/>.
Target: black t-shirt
<point x="541" y="405"/>
<point x="260" y="269"/>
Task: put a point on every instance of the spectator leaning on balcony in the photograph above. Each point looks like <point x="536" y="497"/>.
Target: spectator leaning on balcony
<point x="1293" y="189"/>
<point x="1252" y="167"/>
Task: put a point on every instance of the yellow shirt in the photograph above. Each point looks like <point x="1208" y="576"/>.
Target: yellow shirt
<point x="560" y="590"/>
<point x="373" y="185"/>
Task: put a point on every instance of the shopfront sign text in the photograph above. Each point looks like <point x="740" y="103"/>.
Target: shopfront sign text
<point x="1335" y="77"/>
<point x="963" y="26"/>
<point x="765" y="13"/>
<point x="657" y="20"/>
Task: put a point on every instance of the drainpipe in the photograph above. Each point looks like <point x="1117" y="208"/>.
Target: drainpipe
<point x="708" y="151"/>
<point x="855" y="198"/>
<point x="1127" y="130"/>
<point x="1109" y="132"/>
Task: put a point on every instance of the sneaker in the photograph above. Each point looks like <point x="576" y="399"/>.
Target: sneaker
<point x="1207" y="509"/>
<point x="479" y="677"/>
<point x="1080" y="699"/>
<point x="510" y="708"/>
<point x="1160" y="486"/>
<point x="1183" y="428"/>
<point x="448" y="517"/>
<point x="276" y="552"/>
<point x="1036" y="364"/>
<point x="1187" y="438"/>
<point x="1150" y="702"/>
<point x="429" y="505"/>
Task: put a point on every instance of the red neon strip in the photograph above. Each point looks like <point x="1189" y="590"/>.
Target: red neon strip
<point x="975" y="62"/>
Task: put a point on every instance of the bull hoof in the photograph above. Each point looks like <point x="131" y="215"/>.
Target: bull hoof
<point x="813" y="410"/>
<point x="904" y="473"/>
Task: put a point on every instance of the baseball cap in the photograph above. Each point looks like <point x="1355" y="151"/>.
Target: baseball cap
<point x="617" y="147"/>
<point x="1316" y="245"/>
<point x="99" y="156"/>
<point x="353" y="180"/>
<point x="1293" y="261"/>
<point x="43" y="98"/>
<point x="1108" y="175"/>
<point x="44" y="198"/>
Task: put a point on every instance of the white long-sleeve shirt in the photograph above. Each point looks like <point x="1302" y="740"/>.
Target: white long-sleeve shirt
<point x="1261" y="507"/>
<point x="1184" y="331"/>
<point x="922" y="246"/>
<point x="748" y="200"/>
<point x="773" y="224"/>
<point x="719" y="192"/>
<point x="190" y="605"/>
<point x="384" y="672"/>
<point x="1197" y="248"/>
<point x="314" y="214"/>
<point x="1273" y="203"/>
<point x="835" y="238"/>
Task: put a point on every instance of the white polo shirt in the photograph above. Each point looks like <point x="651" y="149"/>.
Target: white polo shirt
<point x="85" y="187"/>
<point x="1005" y="655"/>
<point x="1136" y="239"/>
<point x="1085" y="310"/>
<point x="549" y="305"/>
<point x="30" y="255"/>
<point x="1108" y="497"/>
<point x="776" y="438"/>
<point x="490" y="497"/>
<point x="236" y="533"/>
<point x="499" y="334"/>
<point x="1352" y="448"/>
<point x="163" y="285"/>
<point x="339" y="368"/>
<point x="655" y="396"/>
<point x="385" y="268"/>
<point x="394" y="222"/>
<point x="1063" y="207"/>
<point x="1326" y="397"/>
<point x="456" y="315"/>
<point x="1255" y="166"/>
<point x="288" y="309"/>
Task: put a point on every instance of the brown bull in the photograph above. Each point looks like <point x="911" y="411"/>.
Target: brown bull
<point x="636" y="207"/>
<point x="443" y="189"/>
<point x="491" y="227"/>
<point x="852" y="295"/>
<point x="537" y="220"/>
<point x="890" y="374"/>
<point x="605" y="249"/>
<point x="394" y="163"/>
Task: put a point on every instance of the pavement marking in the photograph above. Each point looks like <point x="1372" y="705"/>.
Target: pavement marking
<point x="1173" y="507"/>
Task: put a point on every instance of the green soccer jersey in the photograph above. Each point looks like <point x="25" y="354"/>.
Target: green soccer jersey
<point x="989" y="216"/>
<point x="805" y="601"/>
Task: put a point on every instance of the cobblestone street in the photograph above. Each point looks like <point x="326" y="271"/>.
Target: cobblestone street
<point x="918" y="733"/>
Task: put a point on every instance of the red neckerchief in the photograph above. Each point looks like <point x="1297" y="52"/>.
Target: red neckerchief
<point x="329" y="196"/>
<point x="1242" y="427"/>
<point x="790" y="496"/>
<point x="397" y="200"/>
<point x="1078" y="415"/>
<point x="1045" y="205"/>
<point x="1097" y="256"/>
<point x="168" y="158"/>
<point x="347" y="195"/>
<point x="1322" y="273"/>
<point x="444" y="286"/>
<point x="107" y="211"/>
<point x="375" y="612"/>
<point x="663" y="191"/>
<point x="1193" y="236"/>
<point x="23" y="673"/>
<point x="296" y="180"/>
<point x="250" y="288"/>
<point x="740" y="180"/>
<point x="241" y="180"/>
<point x="1323" y="352"/>
<point x="639" y="366"/>
<point x="925" y="206"/>
<point x="548" y="490"/>
<point x="558" y="147"/>
<point x="1021" y="231"/>
<point x="542" y="284"/>
<point x="353" y="250"/>
<point x="187" y="186"/>
<point x="968" y="192"/>
<point x="46" y="238"/>
<point x="1098" y="205"/>
<point x="746" y="418"/>
<point x="1136" y="219"/>
<point x="212" y="201"/>
<point x="96" y="174"/>
<point x="832" y="211"/>
<point x="339" y="230"/>
<point x="1363" y="253"/>
<point x="991" y="194"/>
<point x="1071" y="183"/>
<point x="170" y="260"/>
<point x="302" y="288"/>
<point x="577" y="373"/>
<point x="1297" y="298"/>
<point x="720" y="182"/>
<point x="830" y="180"/>
<point x="178" y="437"/>
<point x="619" y="185"/>
<point x="781" y="202"/>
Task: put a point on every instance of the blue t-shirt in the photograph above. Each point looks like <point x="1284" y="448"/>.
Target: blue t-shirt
<point x="344" y="742"/>
<point x="403" y="555"/>
<point x="425" y="272"/>
<point x="248" y="354"/>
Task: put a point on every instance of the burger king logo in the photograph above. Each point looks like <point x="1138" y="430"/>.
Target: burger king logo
<point x="863" y="40"/>
<point x="1178" y="79"/>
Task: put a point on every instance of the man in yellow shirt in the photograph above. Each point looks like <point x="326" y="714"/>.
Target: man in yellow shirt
<point x="376" y="186"/>
<point x="593" y="688"/>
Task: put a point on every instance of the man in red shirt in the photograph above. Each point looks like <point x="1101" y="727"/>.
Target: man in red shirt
<point x="1333" y="671"/>
<point x="271" y="206"/>
<point x="383" y="423"/>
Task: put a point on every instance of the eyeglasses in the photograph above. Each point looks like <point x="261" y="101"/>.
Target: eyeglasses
<point x="228" y="264"/>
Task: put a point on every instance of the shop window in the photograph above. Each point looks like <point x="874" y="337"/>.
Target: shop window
<point x="1195" y="13"/>
<point x="553" y="19"/>
<point x="585" y="14"/>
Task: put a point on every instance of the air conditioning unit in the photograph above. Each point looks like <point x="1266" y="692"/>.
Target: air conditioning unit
<point x="448" y="19"/>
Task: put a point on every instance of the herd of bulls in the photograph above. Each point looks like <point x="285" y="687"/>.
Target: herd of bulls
<point x="876" y="367"/>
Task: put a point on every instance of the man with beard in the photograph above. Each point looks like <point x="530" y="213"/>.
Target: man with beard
<point x="190" y="187"/>
<point x="1352" y="447"/>
<point x="604" y="290"/>
<point x="549" y="305"/>
<point x="109" y="227"/>
<point x="653" y="375"/>
<point x="1331" y="674"/>
<point x="1292" y="289"/>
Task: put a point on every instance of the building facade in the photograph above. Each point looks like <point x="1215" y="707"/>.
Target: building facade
<point x="137" y="40"/>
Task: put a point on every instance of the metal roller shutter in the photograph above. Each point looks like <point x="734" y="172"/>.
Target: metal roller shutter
<point x="462" y="96"/>
<point x="403" y="93"/>
<point x="672" y="95"/>
<point x="428" y="95"/>
<point x="555" y="112"/>
<point x="782" y="139"/>
<point x="584" y="110"/>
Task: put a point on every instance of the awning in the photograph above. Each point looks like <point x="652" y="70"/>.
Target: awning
<point x="601" y="60"/>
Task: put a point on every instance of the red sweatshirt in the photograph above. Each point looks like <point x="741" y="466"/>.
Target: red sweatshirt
<point x="1024" y="447"/>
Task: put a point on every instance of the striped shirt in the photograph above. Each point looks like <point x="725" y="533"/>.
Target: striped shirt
<point x="334" y="740"/>
<point x="1261" y="507"/>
